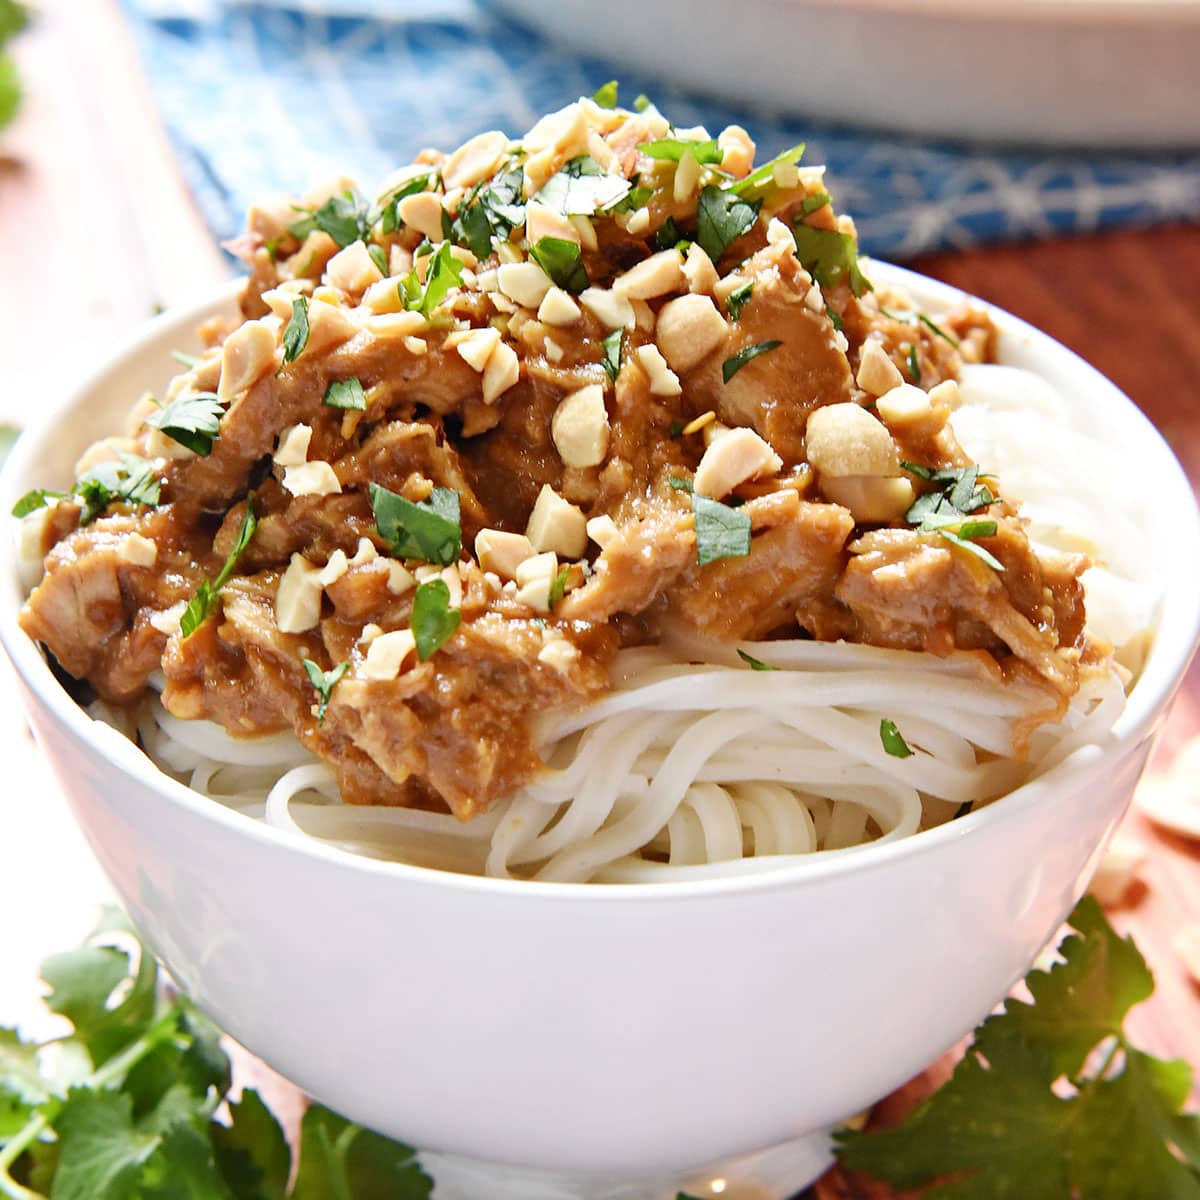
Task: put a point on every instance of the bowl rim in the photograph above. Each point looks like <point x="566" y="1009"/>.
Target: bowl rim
<point x="1176" y="642"/>
<point x="1040" y="12"/>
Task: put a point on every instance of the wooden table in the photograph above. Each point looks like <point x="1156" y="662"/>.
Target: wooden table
<point x="96" y="229"/>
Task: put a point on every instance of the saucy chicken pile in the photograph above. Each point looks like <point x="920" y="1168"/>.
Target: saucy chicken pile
<point x="537" y="401"/>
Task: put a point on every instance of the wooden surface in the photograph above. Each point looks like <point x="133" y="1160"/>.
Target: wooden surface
<point x="96" y="229"/>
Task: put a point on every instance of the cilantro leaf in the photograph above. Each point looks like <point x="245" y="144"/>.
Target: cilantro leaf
<point x="893" y="740"/>
<point x="101" y="1152"/>
<point x="582" y="188"/>
<point x="183" y="1166"/>
<point x="323" y="683"/>
<point x="755" y="664"/>
<point x="193" y="421"/>
<point x="35" y="499"/>
<point x="387" y="209"/>
<point x="295" y="333"/>
<point x="345" y="218"/>
<point x="738" y="299"/>
<point x="341" y="1159"/>
<point x="938" y="330"/>
<point x="186" y="360"/>
<point x="761" y="178"/>
<point x="914" y="364"/>
<point x="673" y="149"/>
<point x="721" y="218"/>
<point x="562" y="261"/>
<point x="612" y="351"/>
<point x="346" y="393"/>
<point x="10" y="89"/>
<point x="445" y="272"/>
<point x="200" y="605"/>
<point x="130" y="478"/>
<point x="433" y="620"/>
<point x="731" y="366"/>
<point x="22" y="1087"/>
<point x="830" y="256"/>
<point x="430" y="531"/>
<point x="606" y="94"/>
<point x="251" y="1150"/>
<point x="558" y="585"/>
<point x="721" y="531"/>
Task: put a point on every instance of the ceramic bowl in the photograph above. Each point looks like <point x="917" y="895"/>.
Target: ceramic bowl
<point x="548" y="1040"/>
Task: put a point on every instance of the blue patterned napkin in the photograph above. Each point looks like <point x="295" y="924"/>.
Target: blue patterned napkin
<point x="274" y="95"/>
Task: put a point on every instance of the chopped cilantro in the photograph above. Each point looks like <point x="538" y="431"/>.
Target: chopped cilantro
<point x="668" y="234"/>
<point x="721" y="218"/>
<point x="430" y="531"/>
<point x="761" y="178"/>
<point x="346" y="393"/>
<point x="893" y="740"/>
<point x="378" y="256"/>
<point x="558" y="585"/>
<point x="675" y="429"/>
<point x="345" y="218"/>
<point x="938" y="330"/>
<point x="494" y="210"/>
<point x="721" y="531"/>
<point x="606" y="94"/>
<point x="582" y="188"/>
<point x="295" y="334"/>
<point x="612" y="350"/>
<point x="944" y="510"/>
<point x="834" y="319"/>
<point x="731" y="366"/>
<point x="186" y="360"/>
<point x="673" y="150"/>
<point x="679" y="484"/>
<point x="387" y="210"/>
<point x="738" y="299"/>
<point x="562" y="261"/>
<point x="815" y="202"/>
<point x="129" y="478"/>
<point x="35" y="499"/>
<point x="201" y="604"/>
<point x="633" y="199"/>
<point x="323" y="683"/>
<point x="914" y="364"/>
<point x="755" y="664"/>
<point x="445" y="272"/>
<point x="433" y="620"/>
<point x="193" y="421"/>
<point x="831" y="256"/>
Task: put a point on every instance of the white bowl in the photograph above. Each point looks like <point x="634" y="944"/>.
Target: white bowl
<point x="610" y="1040"/>
<point x="1046" y="72"/>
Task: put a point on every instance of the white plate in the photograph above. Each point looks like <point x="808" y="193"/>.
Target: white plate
<point x="1052" y="72"/>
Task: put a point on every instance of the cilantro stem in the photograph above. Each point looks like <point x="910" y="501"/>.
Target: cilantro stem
<point x="116" y="1068"/>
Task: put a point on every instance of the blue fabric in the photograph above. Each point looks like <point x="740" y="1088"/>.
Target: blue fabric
<point x="275" y="95"/>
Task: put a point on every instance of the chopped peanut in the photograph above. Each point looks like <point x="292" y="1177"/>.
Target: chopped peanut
<point x="877" y="374"/>
<point x="423" y="212"/>
<point x="388" y="653"/>
<point x="555" y="524"/>
<point x="352" y="269"/>
<point x="248" y="354"/>
<point x="740" y="455"/>
<point x="293" y="446"/>
<point x="663" y="381"/>
<point x="580" y="427"/>
<point x="524" y="282"/>
<point x="298" y="599"/>
<point x="870" y="498"/>
<point x="311" y="479"/>
<point x="502" y="552"/>
<point x="689" y="329"/>
<point x="502" y="371"/>
<point x="474" y="160"/>
<point x="844" y="439"/>
<point x="654" y="276"/>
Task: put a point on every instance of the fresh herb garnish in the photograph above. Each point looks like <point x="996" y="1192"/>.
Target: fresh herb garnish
<point x="130" y="478"/>
<point x="193" y="421"/>
<point x="938" y="330"/>
<point x="124" y="1103"/>
<point x="494" y="210"/>
<point x="346" y="393"/>
<point x="633" y="199"/>
<point x="680" y="484"/>
<point x="835" y="320"/>
<point x="378" y="256"/>
<point x="721" y="218"/>
<point x="830" y="256"/>
<point x="755" y="664"/>
<point x="761" y="178"/>
<point x="558" y="585"/>
<point x="1052" y="1099"/>
<point x="444" y="273"/>
<point x="433" y="620"/>
<point x="641" y="102"/>
<point x="673" y="149"/>
<point x="35" y="499"/>
<point x="738" y="299"/>
<point x="201" y="604"/>
<point x="893" y="740"/>
<point x="731" y="366"/>
<point x="914" y="364"/>
<point x="186" y="360"/>
<point x="815" y="202"/>
<point x="606" y="94"/>
<point x="946" y="507"/>
<point x="345" y="218"/>
<point x="295" y="333"/>
<point x="387" y="211"/>
<point x="562" y="261"/>
<point x="323" y="683"/>
<point x="668" y="234"/>
<point x="612" y="352"/>
<point x="721" y="531"/>
<point x="430" y="531"/>
<point x="582" y="188"/>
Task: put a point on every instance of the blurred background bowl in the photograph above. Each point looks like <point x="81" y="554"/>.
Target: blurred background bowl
<point x="1086" y="73"/>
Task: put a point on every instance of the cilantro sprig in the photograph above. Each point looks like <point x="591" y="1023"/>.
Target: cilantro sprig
<point x="1052" y="1099"/>
<point x="201" y="604"/>
<point x="126" y="1104"/>
<point x="346" y="218"/>
<point x="193" y="421"/>
<point x="721" y="218"/>
<point x="295" y="332"/>
<point x="893" y="740"/>
<point x="323" y="683"/>
<point x="130" y="478"/>
<point x="611" y="347"/>
<point x="430" y="531"/>
<point x="946" y="509"/>
<point x="346" y="394"/>
<point x="830" y="256"/>
<point x="756" y="184"/>
<point x="445" y="272"/>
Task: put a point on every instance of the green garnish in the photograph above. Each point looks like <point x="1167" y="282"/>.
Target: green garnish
<point x="582" y="188"/>
<point x="945" y="509"/>
<point x="35" y="499"/>
<point x="761" y="178"/>
<point x="323" y="683"/>
<point x="680" y="484"/>
<point x="835" y="320"/>
<point x="562" y="261"/>
<point x="633" y="199"/>
<point x="673" y="149"/>
<point x="429" y="531"/>
<point x="668" y="234"/>
<point x="388" y="207"/>
<point x="130" y="478"/>
<point x="444" y="273"/>
<point x="738" y="299"/>
<point x="8" y="439"/>
<point x="124" y="1103"/>
<point x="721" y="218"/>
<point x="186" y="360"/>
<point x="558" y="585"/>
<point x="830" y="256"/>
<point x="433" y="620"/>
<point x="675" y="429"/>
<point x="346" y="393"/>
<point x="721" y="531"/>
<point x="893" y="740"/>
<point x="378" y="256"/>
<point x="493" y="210"/>
<point x="295" y="333"/>
<point x="201" y="604"/>
<point x="612" y="352"/>
<point x="192" y="421"/>
<point x="731" y="366"/>
<point x="938" y="330"/>
<point x="755" y="664"/>
<point x="914" y="364"/>
<point x="1052" y="1099"/>
<point x="815" y="202"/>
<point x="641" y="102"/>
<point x="345" y="218"/>
<point x="606" y="94"/>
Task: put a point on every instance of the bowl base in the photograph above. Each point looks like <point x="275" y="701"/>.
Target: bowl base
<point x="773" y="1174"/>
